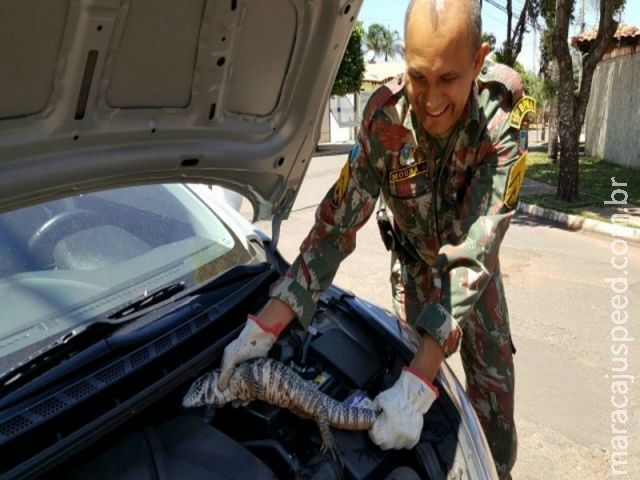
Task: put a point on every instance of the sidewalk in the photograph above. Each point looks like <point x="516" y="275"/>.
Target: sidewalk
<point x="531" y="187"/>
<point x="578" y="222"/>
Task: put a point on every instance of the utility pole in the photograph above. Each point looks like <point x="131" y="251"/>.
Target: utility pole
<point x="534" y="48"/>
<point x="582" y="17"/>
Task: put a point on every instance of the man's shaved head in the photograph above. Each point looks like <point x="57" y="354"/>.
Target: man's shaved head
<point x="436" y="8"/>
<point x="443" y="54"/>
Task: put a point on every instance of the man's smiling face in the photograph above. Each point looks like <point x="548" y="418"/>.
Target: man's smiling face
<point x="442" y="61"/>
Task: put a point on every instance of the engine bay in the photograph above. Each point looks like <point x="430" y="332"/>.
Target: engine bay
<point x="260" y="441"/>
<point x="342" y="358"/>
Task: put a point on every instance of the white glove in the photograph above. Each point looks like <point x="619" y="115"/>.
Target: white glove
<point x="254" y="341"/>
<point x="205" y="391"/>
<point x="403" y="406"/>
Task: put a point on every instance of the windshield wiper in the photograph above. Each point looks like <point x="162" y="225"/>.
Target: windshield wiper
<point x="148" y="299"/>
<point x="73" y="341"/>
<point x="231" y="276"/>
<point x="62" y="348"/>
<point x="76" y="341"/>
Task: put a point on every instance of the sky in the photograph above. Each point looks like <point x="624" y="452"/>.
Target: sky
<point x="493" y="21"/>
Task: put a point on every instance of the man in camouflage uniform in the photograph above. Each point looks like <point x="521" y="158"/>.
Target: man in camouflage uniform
<point x="440" y="146"/>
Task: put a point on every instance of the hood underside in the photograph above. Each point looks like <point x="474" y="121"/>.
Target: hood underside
<point x="103" y="93"/>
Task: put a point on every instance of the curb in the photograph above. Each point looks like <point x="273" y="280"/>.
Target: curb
<point x="577" y="222"/>
<point x="325" y="149"/>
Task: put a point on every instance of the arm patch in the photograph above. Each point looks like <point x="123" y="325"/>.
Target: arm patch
<point x="340" y="188"/>
<point x="514" y="183"/>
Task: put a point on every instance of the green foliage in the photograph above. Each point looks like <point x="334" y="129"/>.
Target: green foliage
<point x="539" y="168"/>
<point x="549" y="89"/>
<point x="351" y="71"/>
<point x="490" y="38"/>
<point x="533" y="86"/>
<point x="517" y="66"/>
<point x="548" y="11"/>
<point x="499" y="56"/>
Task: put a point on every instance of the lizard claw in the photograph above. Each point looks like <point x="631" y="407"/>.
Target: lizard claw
<point x="333" y="453"/>
<point x="329" y="447"/>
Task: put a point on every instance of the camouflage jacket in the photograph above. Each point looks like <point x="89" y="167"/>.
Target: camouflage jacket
<point x="452" y="214"/>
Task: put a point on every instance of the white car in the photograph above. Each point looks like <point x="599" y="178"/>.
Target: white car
<point x="123" y="274"/>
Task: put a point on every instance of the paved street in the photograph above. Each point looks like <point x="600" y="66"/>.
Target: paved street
<point x="560" y="310"/>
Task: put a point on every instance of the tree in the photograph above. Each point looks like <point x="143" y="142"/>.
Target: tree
<point x="547" y="10"/>
<point x="549" y="90"/>
<point x="351" y="71"/>
<point x="549" y="72"/>
<point x="513" y="44"/>
<point x="572" y="105"/>
<point x="383" y="42"/>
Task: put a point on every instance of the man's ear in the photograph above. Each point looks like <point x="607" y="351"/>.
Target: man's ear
<point x="478" y="61"/>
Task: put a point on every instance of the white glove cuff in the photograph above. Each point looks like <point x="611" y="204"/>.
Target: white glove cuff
<point x="273" y="330"/>
<point x="418" y="390"/>
<point x="257" y="331"/>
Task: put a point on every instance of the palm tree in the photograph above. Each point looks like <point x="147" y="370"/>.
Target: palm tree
<point x="383" y="42"/>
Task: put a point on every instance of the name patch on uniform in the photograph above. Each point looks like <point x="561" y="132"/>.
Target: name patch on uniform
<point x="516" y="177"/>
<point x="524" y="106"/>
<point x="406" y="173"/>
<point x="340" y="188"/>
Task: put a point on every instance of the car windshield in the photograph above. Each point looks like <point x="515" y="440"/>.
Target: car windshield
<point x="68" y="262"/>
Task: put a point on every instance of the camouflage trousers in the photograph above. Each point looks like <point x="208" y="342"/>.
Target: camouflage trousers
<point x="486" y="351"/>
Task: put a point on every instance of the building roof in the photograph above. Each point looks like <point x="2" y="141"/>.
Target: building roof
<point x="382" y="72"/>
<point x="625" y="35"/>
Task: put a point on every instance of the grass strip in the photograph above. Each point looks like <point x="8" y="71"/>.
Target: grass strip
<point x="594" y="186"/>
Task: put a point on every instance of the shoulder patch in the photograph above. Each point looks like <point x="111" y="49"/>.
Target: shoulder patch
<point x="520" y="110"/>
<point x="514" y="182"/>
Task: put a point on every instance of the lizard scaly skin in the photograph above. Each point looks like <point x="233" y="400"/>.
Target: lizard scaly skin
<point x="273" y="382"/>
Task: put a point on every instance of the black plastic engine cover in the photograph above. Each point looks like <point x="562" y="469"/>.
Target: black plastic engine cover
<point x="351" y="359"/>
<point x="184" y="447"/>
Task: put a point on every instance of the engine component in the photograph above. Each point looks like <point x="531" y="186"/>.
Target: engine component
<point x="355" y="362"/>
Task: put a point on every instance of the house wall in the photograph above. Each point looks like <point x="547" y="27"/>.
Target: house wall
<point x="613" y="115"/>
<point x="331" y="131"/>
<point x="340" y="134"/>
<point x="325" y="129"/>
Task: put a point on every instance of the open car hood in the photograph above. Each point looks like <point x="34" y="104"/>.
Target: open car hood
<point x="103" y="93"/>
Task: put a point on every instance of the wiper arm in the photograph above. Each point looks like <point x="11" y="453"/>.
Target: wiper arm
<point x="64" y="347"/>
<point x="148" y="299"/>
<point x="233" y="275"/>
